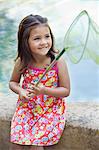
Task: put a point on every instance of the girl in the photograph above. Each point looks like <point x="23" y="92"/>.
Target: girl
<point x="39" y="118"/>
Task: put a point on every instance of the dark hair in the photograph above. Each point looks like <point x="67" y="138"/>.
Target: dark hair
<point x="24" y="52"/>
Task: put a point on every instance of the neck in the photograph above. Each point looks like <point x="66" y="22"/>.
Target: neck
<point x="40" y="62"/>
<point x="39" y="59"/>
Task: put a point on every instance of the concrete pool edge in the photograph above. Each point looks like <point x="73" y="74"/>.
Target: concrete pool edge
<point x="81" y="131"/>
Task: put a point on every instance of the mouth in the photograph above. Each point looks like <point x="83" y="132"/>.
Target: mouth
<point x="44" y="48"/>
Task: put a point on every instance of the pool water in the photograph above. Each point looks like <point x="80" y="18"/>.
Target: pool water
<point x="84" y="76"/>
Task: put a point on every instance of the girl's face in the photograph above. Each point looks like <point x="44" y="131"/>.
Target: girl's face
<point x="40" y="40"/>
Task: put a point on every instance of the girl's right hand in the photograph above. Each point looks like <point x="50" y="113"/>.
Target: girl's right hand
<point x="23" y="94"/>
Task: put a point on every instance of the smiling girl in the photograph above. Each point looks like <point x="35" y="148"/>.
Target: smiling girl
<point x="39" y="118"/>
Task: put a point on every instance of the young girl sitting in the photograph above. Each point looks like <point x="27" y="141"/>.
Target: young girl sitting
<point x="39" y="118"/>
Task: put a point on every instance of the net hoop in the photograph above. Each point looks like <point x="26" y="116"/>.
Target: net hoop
<point x="84" y="12"/>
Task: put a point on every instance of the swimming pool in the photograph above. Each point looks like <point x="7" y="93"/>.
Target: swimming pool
<point x="84" y="76"/>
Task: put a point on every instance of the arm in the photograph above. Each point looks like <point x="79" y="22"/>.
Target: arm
<point x="64" y="83"/>
<point x="15" y="80"/>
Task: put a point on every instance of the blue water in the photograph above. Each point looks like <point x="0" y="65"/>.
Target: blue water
<point x="84" y="76"/>
<point x="84" y="81"/>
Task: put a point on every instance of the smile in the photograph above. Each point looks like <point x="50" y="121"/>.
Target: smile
<point x="44" y="48"/>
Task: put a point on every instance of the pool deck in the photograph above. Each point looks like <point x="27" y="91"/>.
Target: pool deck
<point x="81" y="130"/>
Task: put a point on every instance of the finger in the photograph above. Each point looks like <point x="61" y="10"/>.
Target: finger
<point x="25" y="98"/>
<point x="36" y="88"/>
<point x="30" y="95"/>
<point x="30" y="91"/>
<point x="30" y="86"/>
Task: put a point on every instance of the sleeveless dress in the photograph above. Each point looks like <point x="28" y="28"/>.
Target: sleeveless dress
<point x="40" y="120"/>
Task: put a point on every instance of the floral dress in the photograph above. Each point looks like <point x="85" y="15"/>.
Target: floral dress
<point x="40" y="120"/>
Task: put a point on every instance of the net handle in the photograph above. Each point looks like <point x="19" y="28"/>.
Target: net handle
<point x="51" y="65"/>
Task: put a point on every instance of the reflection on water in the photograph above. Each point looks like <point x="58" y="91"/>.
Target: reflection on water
<point x="84" y="76"/>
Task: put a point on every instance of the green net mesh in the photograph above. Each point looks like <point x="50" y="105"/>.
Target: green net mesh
<point x="82" y="39"/>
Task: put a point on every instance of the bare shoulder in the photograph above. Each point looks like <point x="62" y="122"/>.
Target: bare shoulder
<point x="61" y="62"/>
<point x="63" y="73"/>
<point x="62" y="66"/>
<point x="18" y="64"/>
<point x="16" y="74"/>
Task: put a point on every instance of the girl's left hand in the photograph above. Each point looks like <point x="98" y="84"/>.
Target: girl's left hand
<point x="37" y="90"/>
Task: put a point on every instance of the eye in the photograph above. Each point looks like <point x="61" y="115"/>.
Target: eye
<point x="37" y="38"/>
<point x="47" y="36"/>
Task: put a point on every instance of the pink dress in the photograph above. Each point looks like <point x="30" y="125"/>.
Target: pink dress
<point x="41" y="120"/>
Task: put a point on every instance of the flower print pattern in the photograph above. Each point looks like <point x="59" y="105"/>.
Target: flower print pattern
<point x="40" y="120"/>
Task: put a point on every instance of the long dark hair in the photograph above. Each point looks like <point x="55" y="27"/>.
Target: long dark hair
<point x="24" y="52"/>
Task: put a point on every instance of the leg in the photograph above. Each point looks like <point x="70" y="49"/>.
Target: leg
<point x="16" y="147"/>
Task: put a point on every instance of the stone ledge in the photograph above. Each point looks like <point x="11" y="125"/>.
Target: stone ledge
<point x="83" y="114"/>
<point x="81" y="131"/>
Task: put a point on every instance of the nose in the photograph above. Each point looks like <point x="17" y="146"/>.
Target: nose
<point x="43" y="41"/>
